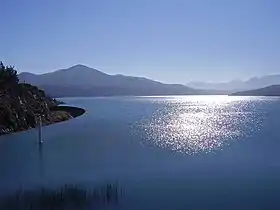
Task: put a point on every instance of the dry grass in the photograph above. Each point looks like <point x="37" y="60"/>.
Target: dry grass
<point x="58" y="116"/>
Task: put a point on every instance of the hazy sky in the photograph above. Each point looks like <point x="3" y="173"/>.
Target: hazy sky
<point x="173" y="41"/>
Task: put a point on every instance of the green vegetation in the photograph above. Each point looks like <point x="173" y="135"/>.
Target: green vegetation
<point x="59" y="116"/>
<point x="8" y="75"/>
<point x="21" y="104"/>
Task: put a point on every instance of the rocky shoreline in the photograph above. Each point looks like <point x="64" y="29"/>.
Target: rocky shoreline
<point x="57" y="114"/>
<point x="22" y="105"/>
<point x="73" y="111"/>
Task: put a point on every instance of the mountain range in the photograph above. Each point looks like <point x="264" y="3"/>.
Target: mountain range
<point x="272" y="90"/>
<point x="80" y="80"/>
<point x="238" y="85"/>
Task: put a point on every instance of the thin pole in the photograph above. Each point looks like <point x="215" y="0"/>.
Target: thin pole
<point x="40" y="130"/>
<point x="40" y="142"/>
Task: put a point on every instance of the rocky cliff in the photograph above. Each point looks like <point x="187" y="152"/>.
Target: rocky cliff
<point x="22" y="104"/>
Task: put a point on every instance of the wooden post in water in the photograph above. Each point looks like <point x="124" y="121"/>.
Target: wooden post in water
<point x="40" y="130"/>
<point x="40" y="143"/>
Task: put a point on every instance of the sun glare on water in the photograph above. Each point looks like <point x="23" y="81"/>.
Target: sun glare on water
<point x="199" y="124"/>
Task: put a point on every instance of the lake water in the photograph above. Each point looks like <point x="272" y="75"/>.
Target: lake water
<point x="180" y="152"/>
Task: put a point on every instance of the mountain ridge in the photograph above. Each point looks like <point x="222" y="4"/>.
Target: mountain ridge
<point x="239" y="85"/>
<point x="86" y="81"/>
<point x="272" y="90"/>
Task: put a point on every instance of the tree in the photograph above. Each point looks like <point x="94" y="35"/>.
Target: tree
<point x="2" y="65"/>
<point x="8" y="75"/>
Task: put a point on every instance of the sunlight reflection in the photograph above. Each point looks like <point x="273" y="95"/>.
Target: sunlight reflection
<point x="200" y="123"/>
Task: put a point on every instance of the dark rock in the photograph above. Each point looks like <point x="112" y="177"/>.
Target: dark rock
<point x="22" y="104"/>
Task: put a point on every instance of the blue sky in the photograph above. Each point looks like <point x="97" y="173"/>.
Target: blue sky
<point x="174" y="41"/>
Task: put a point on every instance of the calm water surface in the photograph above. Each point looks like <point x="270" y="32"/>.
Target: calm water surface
<point x="181" y="152"/>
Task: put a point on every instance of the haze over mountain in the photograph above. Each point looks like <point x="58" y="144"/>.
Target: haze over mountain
<point x="80" y="80"/>
<point x="238" y="85"/>
<point x="273" y="90"/>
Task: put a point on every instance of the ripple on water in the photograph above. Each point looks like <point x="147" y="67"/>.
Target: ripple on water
<point x="201" y="126"/>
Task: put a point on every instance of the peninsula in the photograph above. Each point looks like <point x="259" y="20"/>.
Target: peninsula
<point x="22" y="104"/>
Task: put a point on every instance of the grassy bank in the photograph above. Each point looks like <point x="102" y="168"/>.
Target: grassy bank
<point x="73" y="111"/>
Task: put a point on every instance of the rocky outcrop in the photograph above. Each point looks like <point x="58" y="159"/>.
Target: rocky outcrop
<point x="22" y="104"/>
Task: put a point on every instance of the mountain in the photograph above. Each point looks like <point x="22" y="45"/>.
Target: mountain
<point x="228" y="87"/>
<point x="81" y="80"/>
<point x="238" y="85"/>
<point x="273" y="90"/>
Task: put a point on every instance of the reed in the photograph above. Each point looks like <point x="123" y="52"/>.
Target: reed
<point x="70" y="197"/>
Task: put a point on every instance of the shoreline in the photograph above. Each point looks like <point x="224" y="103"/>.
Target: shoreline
<point x="72" y="110"/>
<point x="63" y="112"/>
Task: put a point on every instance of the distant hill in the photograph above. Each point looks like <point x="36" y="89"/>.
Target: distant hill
<point x="227" y="87"/>
<point x="238" y="85"/>
<point x="273" y="90"/>
<point x="81" y="80"/>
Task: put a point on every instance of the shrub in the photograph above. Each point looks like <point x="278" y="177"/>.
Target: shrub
<point x="8" y="75"/>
